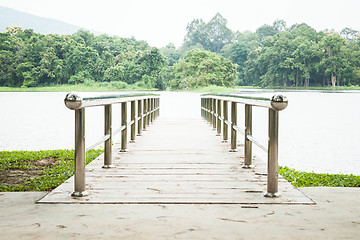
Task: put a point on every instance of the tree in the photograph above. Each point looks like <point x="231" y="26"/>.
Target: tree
<point x="349" y="34"/>
<point x="238" y="54"/>
<point x="279" y="25"/>
<point x="202" y="68"/>
<point x="171" y="54"/>
<point x="333" y="48"/>
<point x="265" y="31"/>
<point x="212" y="36"/>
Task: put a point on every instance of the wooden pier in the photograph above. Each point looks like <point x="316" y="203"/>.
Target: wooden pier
<point x="177" y="161"/>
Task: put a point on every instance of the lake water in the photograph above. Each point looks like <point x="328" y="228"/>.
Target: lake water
<point x="319" y="131"/>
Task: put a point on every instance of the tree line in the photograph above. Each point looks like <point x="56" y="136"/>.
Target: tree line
<point x="29" y="59"/>
<point x="276" y="55"/>
<point x="211" y="54"/>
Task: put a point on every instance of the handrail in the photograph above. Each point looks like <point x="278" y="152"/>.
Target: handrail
<point x="277" y="102"/>
<point x="148" y="106"/>
<point x="73" y="101"/>
<point x="211" y="111"/>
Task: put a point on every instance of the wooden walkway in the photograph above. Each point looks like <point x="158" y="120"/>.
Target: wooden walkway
<point x="177" y="162"/>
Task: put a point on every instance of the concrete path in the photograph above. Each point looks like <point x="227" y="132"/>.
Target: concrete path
<point x="336" y="215"/>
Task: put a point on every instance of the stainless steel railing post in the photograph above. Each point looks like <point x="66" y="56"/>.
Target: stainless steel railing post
<point x="273" y="168"/>
<point x="148" y="109"/>
<point x="145" y="115"/>
<point x="201" y="107"/>
<point x="140" y="117"/>
<point x="80" y="157"/>
<point x="233" y="123"/>
<point x="225" y="118"/>
<point x="108" y="131"/>
<point x="133" y="122"/>
<point x="248" y="143"/>
<point x="206" y="109"/>
<point x="124" y="123"/>
<point x="214" y="113"/>
<point x="152" y="110"/>
<point x="218" y="124"/>
<point x="211" y="111"/>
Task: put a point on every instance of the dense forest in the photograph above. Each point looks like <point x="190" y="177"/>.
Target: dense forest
<point x="211" y="54"/>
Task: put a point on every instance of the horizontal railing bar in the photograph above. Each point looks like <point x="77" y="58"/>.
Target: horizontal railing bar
<point x="73" y="101"/>
<point x="241" y="130"/>
<point x="99" y="141"/>
<point x="131" y="123"/>
<point x="257" y="143"/>
<point x="118" y="130"/>
<point x="227" y="122"/>
<point x="277" y="102"/>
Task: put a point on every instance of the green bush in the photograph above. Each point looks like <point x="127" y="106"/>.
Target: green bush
<point x="306" y="179"/>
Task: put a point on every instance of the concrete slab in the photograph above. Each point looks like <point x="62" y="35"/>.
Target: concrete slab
<point x="336" y="215"/>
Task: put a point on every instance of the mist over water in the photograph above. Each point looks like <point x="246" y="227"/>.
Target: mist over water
<point x="319" y="131"/>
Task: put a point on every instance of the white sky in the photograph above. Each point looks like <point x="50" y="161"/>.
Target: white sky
<point x="163" y="21"/>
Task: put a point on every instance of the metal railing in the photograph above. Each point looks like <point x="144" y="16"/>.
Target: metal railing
<point x="147" y="111"/>
<point x="211" y="111"/>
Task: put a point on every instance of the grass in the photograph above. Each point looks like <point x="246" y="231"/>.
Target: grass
<point x="37" y="170"/>
<point x="336" y="88"/>
<point x="310" y="179"/>
<point x="212" y="88"/>
<point x="97" y="87"/>
<point x="109" y="87"/>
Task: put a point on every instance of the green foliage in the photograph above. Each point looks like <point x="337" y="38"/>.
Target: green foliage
<point x="201" y="68"/>
<point x="212" y="36"/>
<point x="306" y="179"/>
<point x="39" y="177"/>
<point x="87" y="86"/>
<point x="272" y="56"/>
<point x="300" y="56"/>
<point x="30" y="59"/>
<point x="276" y="55"/>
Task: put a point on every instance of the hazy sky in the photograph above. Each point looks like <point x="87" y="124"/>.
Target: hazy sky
<point x="162" y="21"/>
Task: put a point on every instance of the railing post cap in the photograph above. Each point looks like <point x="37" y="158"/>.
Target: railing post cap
<point x="279" y="102"/>
<point x="72" y="101"/>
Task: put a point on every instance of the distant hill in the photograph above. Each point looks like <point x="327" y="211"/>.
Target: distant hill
<point x="10" y="17"/>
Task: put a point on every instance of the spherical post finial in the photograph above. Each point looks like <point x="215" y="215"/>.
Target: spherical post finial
<point x="72" y="101"/>
<point x="279" y="102"/>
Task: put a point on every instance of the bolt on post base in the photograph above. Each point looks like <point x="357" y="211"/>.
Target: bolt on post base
<point x="272" y="195"/>
<point x="132" y="141"/>
<point x="247" y="166"/>
<point x="234" y="150"/>
<point x="80" y="194"/>
<point x="108" y="166"/>
<point x="124" y="150"/>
